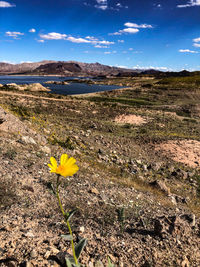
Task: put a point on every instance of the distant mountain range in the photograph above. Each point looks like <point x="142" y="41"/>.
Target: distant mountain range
<point x="67" y="68"/>
<point x="74" y="68"/>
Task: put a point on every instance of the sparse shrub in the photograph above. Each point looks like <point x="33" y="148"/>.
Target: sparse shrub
<point x="7" y="193"/>
<point x="10" y="154"/>
<point x="121" y="217"/>
<point x="67" y="143"/>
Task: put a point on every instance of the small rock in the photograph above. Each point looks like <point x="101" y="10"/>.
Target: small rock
<point x="33" y="254"/>
<point x="54" y="250"/>
<point x="29" y="234"/>
<point x="94" y="191"/>
<point x="47" y="254"/>
<point x="139" y="162"/>
<point x="53" y="263"/>
<point x="99" y="264"/>
<point x="45" y="149"/>
<point x="190" y="218"/>
<point x="28" y="140"/>
<point x="160" y="185"/>
<point x="29" y="264"/>
<point x="82" y="229"/>
<point x="90" y="264"/>
<point x="185" y="262"/>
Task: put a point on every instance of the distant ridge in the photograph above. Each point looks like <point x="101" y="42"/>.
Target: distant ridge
<point x="67" y="68"/>
<point x="8" y="68"/>
<point x="75" y="68"/>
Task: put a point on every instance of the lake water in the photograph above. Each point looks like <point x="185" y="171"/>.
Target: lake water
<point x="70" y="89"/>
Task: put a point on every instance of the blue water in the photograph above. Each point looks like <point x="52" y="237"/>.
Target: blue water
<point x="71" y="89"/>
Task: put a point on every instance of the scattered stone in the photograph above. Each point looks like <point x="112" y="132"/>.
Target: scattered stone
<point x="30" y="234"/>
<point x="45" y="149"/>
<point x="53" y="263"/>
<point x="82" y="229"/>
<point x="33" y="254"/>
<point x="94" y="191"/>
<point x="28" y="140"/>
<point x="161" y="186"/>
<point x="177" y="199"/>
<point x="54" y="250"/>
<point x="190" y="218"/>
<point x="29" y="264"/>
<point x="185" y="262"/>
<point x="172" y="225"/>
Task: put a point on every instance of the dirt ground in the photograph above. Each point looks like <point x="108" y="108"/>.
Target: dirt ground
<point x="147" y="171"/>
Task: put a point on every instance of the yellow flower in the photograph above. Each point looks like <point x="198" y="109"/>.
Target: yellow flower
<point x="67" y="166"/>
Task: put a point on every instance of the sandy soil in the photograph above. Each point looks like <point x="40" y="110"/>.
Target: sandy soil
<point x="132" y="119"/>
<point x="184" y="151"/>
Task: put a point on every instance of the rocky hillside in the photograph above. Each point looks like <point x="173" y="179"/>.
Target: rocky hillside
<point x="137" y="191"/>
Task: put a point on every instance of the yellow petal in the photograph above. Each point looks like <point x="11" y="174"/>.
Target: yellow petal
<point x="70" y="162"/>
<point x="53" y="162"/>
<point x="63" y="159"/>
<point x="70" y="171"/>
<point x="53" y="169"/>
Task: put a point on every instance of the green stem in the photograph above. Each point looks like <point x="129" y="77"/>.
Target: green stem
<point x="66" y="221"/>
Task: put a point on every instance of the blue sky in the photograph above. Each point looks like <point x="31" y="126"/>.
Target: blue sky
<point x="163" y="34"/>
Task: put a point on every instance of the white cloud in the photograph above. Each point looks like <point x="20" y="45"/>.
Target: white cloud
<point x="126" y="30"/>
<point x="190" y="4"/>
<point x="135" y="25"/>
<point x="121" y="66"/>
<point x="129" y="30"/>
<point x="196" y="40"/>
<point x="53" y="36"/>
<point x="91" y="38"/>
<point x="14" y="34"/>
<point x="9" y="62"/>
<point x="32" y="30"/>
<point x="131" y="49"/>
<point x="150" y="67"/>
<point x="78" y="40"/>
<point x="119" y="5"/>
<point x="21" y="62"/>
<point x="196" y="45"/>
<point x="132" y="28"/>
<point x="106" y="42"/>
<point x="6" y="4"/>
<point x="102" y="7"/>
<point x="40" y="41"/>
<point x="110" y="52"/>
<point x="187" y="51"/>
<point x="101" y="4"/>
<point x="120" y="41"/>
<point x="101" y="46"/>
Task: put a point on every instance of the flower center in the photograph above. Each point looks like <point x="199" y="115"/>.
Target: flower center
<point x="60" y="169"/>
